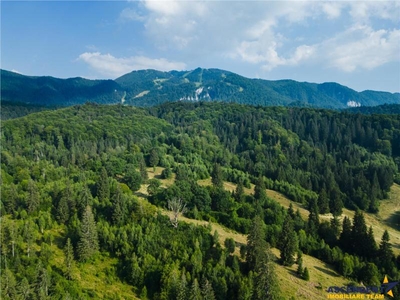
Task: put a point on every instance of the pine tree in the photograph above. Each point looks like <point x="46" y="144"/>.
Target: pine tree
<point x="207" y="290"/>
<point x="63" y="211"/>
<point x="24" y="289"/>
<point x="216" y="176"/>
<point x="258" y="258"/>
<point x="7" y="284"/>
<point x="370" y="245"/>
<point x="374" y="194"/>
<point x="103" y="186"/>
<point x="306" y="275"/>
<point x="86" y="199"/>
<point x="239" y="192"/>
<point x="265" y="286"/>
<point x="385" y="254"/>
<point x="136" y="271"/>
<point x="143" y="169"/>
<point x="68" y="194"/>
<point x="359" y="234"/>
<point x="313" y="219"/>
<point x="290" y="211"/>
<point x="143" y="293"/>
<point x="11" y="200"/>
<point x="154" y="159"/>
<point x="29" y="236"/>
<point x="345" y="236"/>
<point x="260" y="195"/>
<point x="195" y="292"/>
<point x="335" y="226"/>
<point x="323" y="202"/>
<point x="230" y="245"/>
<point x="118" y="209"/>
<point x="88" y="240"/>
<point x="215" y="238"/>
<point x="287" y="242"/>
<point x="69" y="258"/>
<point x="300" y="268"/>
<point x="182" y="288"/>
<point x="255" y="242"/>
<point x="336" y="202"/>
<point x="33" y="201"/>
<point x="197" y="259"/>
<point x="43" y="281"/>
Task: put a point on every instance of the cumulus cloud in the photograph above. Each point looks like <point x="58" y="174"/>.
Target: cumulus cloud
<point x="267" y="56"/>
<point x="370" y="50"/>
<point x="240" y="30"/>
<point x="109" y="65"/>
<point x="363" y="12"/>
<point x="333" y="10"/>
<point x="269" y="34"/>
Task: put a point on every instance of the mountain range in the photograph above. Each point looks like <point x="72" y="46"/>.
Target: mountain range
<point x="151" y="87"/>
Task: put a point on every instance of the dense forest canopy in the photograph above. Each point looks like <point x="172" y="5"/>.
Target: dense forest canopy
<point x="70" y="180"/>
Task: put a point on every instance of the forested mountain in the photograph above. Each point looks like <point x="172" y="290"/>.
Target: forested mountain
<point x="151" y="87"/>
<point x="12" y="110"/>
<point x="46" y="90"/>
<point x="69" y="177"/>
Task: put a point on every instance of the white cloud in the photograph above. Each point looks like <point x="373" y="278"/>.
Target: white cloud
<point x="269" y="34"/>
<point x="362" y="47"/>
<point x="268" y="57"/>
<point x="109" y="65"/>
<point x="332" y="9"/>
<point x="130" y="14"/>
<point x="363" y="12"/>
<point x="91" y="48"/>
<point x="245" y="30"/>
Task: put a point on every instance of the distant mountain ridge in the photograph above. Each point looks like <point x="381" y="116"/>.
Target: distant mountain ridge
<point x="151" y="87"/>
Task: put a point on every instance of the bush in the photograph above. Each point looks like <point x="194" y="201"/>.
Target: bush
<point x="306" y="275"/>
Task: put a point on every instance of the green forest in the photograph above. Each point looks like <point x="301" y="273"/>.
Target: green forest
<point x="71" y="181"/>
<point x="152" y="87"/>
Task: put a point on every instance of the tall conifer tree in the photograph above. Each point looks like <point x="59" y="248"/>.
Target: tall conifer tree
<point x="287" y="242"/>
<point x="88" y="239"/>
<point x="103" y="186"/>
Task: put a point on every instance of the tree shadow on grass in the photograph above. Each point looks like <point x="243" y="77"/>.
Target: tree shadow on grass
<point x="140" y="194"/>
<point x="393" y="221"/>
<point x="327" y="271"/>
<point x="293" y="273"/>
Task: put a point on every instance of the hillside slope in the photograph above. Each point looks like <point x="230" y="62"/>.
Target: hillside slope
<point x="151" y="87"/>
<point x="46" y="90"/>
<point x="71" y="174"/>
<point x="322" y="275"/>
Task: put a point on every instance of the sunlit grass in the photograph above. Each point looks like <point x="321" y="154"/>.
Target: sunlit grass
<point x="322" y="275"/>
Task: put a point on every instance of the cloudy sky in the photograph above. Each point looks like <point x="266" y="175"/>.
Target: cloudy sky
<point x="354" y="43"/>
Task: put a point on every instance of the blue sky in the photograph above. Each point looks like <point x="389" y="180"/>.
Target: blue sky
<point x="356" y="44"/>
